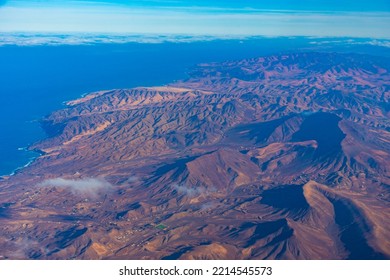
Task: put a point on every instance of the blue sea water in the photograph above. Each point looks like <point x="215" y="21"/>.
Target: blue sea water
<point x="36" y="80"/>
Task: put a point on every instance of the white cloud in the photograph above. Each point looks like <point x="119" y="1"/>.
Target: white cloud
<point x="90" y="187"/>
<point x="188" y="191"/>
<point x="33" y="39"/>
<point x="193" y="191"/>
<point x="380" y="43"/>
<point x="208" y="206"/>
<point x="133" y="179"/>
<point x="373" y="42"/>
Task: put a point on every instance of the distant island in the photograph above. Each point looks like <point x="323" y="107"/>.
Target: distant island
<point x="277" y="157"/>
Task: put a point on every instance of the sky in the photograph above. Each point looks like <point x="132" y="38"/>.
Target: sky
<point x="319" y="18"/>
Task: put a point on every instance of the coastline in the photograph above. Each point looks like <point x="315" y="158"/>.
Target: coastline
<point x="30" y="161"/>
<point x="38" y="153"/>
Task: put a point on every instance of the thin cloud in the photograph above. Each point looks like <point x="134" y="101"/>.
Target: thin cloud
<point x="208" y="206"/>
<point x="193" y="191"/>
<point x="22" y="249"/>
<point x="133" y="179"/>
<point x="188" y="191"/>
<point x="90" y="187"/>
<point x="149" y="20"/>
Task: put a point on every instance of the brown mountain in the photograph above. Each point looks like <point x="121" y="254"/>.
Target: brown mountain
<point x="279" y="157"/>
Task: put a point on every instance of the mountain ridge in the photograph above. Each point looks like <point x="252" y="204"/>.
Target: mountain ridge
<point x="279" y="157"/>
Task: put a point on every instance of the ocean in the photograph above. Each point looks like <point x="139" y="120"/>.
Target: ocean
<point x="37" y="80"/>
